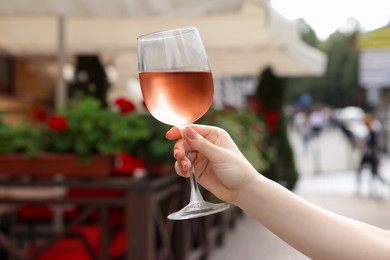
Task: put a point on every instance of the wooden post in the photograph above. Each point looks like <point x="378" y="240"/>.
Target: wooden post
<point x="61" y="91"/>
<point x="139" y="225"/>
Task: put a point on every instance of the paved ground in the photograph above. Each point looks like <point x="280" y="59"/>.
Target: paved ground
<point x="328" y="180"/>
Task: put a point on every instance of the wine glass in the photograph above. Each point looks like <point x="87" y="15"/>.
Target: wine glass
<point x="177" y="86"/>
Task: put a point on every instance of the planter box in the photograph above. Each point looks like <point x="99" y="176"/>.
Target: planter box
<point x="158" y="169"/>
<point x="50" y="165"/>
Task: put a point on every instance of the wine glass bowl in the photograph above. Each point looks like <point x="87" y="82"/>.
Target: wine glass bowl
<point x="177" y="86"/>
<point x="177" y="97"/>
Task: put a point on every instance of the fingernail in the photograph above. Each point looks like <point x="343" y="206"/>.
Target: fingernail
<point x="190" y="133"/>
<point x="166" y="134"/>
<point x="175" y="151"/>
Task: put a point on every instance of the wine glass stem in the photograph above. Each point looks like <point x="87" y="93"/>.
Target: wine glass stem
<point x="195" y="193"/>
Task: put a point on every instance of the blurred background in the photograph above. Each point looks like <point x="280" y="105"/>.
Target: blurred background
<point x="294" y="84"/>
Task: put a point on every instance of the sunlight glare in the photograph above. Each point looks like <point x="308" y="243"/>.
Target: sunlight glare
<point x="327" y="16"/>
<point x="164" y="111"/>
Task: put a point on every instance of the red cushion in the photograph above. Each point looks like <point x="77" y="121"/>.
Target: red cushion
<point x="72" y="248"/>
<point x="92" y="234"/>
<point x="66" y="249"/>
<point x="118" y="245"/>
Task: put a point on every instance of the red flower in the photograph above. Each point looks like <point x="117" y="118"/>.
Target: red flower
<point x="272" y="118"/>
<point x="58" y="123"/>
<point x="125" y="106"/>
<point x="126" y="163"/>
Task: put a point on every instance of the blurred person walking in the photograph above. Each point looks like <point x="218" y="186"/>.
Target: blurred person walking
<point x="303" y="127"/>
<point x="370" y="155"/>
<point x="317" y="122"/>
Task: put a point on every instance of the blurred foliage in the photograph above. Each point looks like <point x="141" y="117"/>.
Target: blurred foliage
<point x="307" y="33"/>
<point x="270" y="95"/>
<point x="339" y="85"/>
<point x="156" y="148"/>
<point x="22" y="139"/>
<point x="93" y="128"/>
<point x="85" y="127"/>
<point x="249" y="133"/>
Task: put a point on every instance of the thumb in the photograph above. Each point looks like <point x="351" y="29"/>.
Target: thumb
<point x="198" y="143"/>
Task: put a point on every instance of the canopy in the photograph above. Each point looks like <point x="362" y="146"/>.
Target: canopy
<point x="116" y="8"/>
<point x="238" y="42"/>
<point x="241" y="36"/>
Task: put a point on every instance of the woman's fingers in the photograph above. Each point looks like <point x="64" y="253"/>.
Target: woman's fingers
<point x="203" y="130"/>
<point x="183" y="164"/>
<point x="179" y="150"/>
<point x="180" y="170"/>
<point x="173" y="134"/>
<point x="195" y="134"/>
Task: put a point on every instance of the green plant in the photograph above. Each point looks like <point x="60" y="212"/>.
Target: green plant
<point x="92" y="128"/>
<point x="157" y="148"/>
<point x="24" y="139"/>
<point x="270" y="98"/>
<point x="84" y="128"/>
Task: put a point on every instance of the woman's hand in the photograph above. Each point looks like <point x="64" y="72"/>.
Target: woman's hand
<point x="219" y="165"/>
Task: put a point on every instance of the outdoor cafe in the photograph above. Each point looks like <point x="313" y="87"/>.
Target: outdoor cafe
<point x="85" y="170"/>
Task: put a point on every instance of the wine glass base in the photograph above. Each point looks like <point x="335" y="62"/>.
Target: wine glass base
<point x="198" y="209"/>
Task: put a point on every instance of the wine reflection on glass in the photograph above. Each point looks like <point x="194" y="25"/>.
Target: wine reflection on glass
<point x="177" y="87"/>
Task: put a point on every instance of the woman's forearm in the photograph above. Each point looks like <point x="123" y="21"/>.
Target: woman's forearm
<point x="315" y="232"/>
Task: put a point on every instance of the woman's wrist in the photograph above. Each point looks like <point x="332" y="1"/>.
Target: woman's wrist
<point x="250" y="192"/>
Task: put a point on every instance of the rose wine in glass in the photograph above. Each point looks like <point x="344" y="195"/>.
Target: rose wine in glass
<point x="177" y="86"/>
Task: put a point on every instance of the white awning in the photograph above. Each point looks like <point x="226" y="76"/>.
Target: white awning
<point x="241" y="36"/>
<point x="238" y="42"/>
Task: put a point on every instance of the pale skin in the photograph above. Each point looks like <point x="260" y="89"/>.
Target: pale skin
<point x="319" y="234"/>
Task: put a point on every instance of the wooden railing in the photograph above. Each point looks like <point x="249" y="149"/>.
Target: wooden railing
<point x="129" y="223"/>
